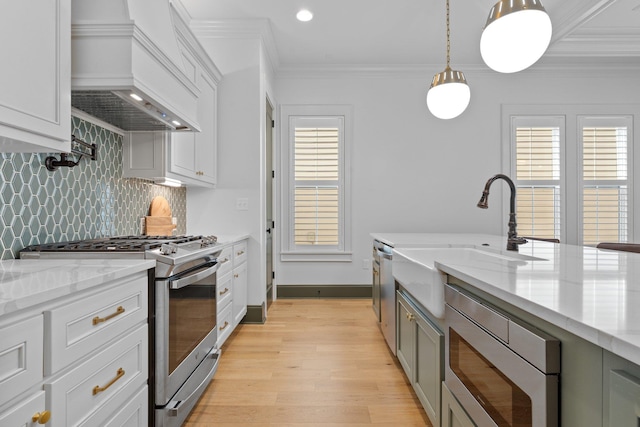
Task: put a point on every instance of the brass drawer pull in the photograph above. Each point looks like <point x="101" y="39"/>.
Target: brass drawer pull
<point x="410" y="316"/>
<point x="236" y="275"/>
<point x="239" y="253"/>
<point x="97" y="320"/>
<point x="222" y="328"/>
<point x="41" y="417"/>
<point x="224" y="292"/>
<point x="224" y="260"/>
<point x="97" y="389"/>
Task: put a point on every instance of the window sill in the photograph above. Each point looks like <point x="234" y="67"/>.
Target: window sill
<point x="316" y="256"/>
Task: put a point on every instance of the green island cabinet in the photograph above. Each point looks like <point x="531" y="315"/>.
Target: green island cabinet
<point x="420" y="350"/>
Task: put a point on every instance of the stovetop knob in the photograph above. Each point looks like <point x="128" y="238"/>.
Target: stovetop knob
<point x="168" y="249"/>
<point x="209" y="240"/>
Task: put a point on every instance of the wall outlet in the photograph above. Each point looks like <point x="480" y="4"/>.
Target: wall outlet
<point x="242" y="204"/>
<point x="366" y="263"/>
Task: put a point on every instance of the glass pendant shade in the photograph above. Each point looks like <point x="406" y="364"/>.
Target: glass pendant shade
<point x="516" y="35"/>
<point x="449" y="94"/>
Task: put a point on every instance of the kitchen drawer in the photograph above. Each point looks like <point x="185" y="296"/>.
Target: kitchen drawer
<point x="134" y="414"/>
<point x="239" y="252"/>
<point x="100" y="385"/>
<point x="225" y="261"/>
<point x="79" y="328"/>
<point x="224" y="287"/>
<point x="22" y="413"/>
<point x="224" y="324"/>
<point x="21" y="357"/>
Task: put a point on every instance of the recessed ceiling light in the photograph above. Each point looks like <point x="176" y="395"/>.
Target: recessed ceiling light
<point x="304" y="15"/>
<point x="136" y="97"/>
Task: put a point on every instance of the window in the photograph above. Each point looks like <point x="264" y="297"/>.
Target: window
<point x="605" y="206"/>
<point x="572" y="187"/>
<point x="538" y="177"/>
<point x="316" y="201"/>
<point x="315" y="157"/>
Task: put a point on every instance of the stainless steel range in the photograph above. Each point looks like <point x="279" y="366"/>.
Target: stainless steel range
<point x="182" y="312"/>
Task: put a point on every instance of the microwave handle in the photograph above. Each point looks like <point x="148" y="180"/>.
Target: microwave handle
<point x="192" y="278"/>
<point x="177" y="407"/>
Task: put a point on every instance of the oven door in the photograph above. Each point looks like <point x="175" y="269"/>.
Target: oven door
<point x="185" y="319"/>
<point x="495" y="385"/>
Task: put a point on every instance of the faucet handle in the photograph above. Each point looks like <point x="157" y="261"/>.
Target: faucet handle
<point x="513" y="242"/>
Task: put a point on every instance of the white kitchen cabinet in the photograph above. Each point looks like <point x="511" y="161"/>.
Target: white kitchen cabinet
<point x="81" y="359"/>
<point x="35" y="79"/>
<point x="240" y="296"/>
<point x="232" y="289"/>
<point x="21" y="356"/>
<point x="27" y="412"/>
<point x="420" y="350"/>
<point x="225" y="325"/>
<point x="78" y="328"/>
<point x="90" y="392"/>
<point x="193" y="154"/>
<point x="133" y="414"/>
<point x="224" y="287"/>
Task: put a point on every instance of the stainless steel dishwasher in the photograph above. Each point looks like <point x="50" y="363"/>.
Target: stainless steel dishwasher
<point x="384" y="253"/>
<point x="375" y="282"/>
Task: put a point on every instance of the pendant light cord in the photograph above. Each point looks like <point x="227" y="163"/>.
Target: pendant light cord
<point x="448" y="40"/>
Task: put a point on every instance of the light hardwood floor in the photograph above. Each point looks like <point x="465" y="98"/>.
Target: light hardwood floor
<point x="315" y="362"/>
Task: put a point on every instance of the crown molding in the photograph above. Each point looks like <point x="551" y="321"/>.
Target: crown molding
<point x="247" y="29"/>
<point x="570" y="16"/>
<point x="598" y="42"/>
<point x="550" y="65"/>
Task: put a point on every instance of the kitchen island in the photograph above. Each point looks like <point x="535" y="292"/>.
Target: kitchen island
<point x="586" y="297"/>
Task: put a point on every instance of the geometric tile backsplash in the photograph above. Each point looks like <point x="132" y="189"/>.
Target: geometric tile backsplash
<point x="86" y="201"/>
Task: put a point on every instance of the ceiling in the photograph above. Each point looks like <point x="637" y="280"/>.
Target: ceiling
<point x="369" y="33"/>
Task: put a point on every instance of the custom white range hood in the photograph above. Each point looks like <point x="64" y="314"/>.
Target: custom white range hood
<point x="125" y="47"/>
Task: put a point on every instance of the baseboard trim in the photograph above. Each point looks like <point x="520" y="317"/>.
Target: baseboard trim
<point x="324" y="291"/>
<point x="255" y="314"/>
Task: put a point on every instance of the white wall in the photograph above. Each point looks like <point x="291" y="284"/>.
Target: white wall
<point x="414" y="173"/>
<point x="240" y="140"/>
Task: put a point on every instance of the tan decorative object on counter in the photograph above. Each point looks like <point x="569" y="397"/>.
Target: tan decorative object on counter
<point x="159" y="222"/>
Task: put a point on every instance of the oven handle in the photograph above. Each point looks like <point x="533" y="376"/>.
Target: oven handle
<point x="177" y="409"/>
<point x="193" y="278"/>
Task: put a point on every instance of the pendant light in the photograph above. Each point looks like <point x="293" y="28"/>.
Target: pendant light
<point x="449" y="93"/>
<point x="516" y="35"/>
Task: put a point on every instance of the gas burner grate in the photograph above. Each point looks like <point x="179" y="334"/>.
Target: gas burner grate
<point x="112" y="244"/>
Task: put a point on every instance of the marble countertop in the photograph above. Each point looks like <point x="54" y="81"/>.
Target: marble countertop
<point x="592" y="293"/>
<point x="229" y="239"/>
<point x="27" y="283"/>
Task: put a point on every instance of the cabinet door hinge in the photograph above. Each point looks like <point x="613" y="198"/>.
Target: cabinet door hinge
<point x="273" y="274"/>
<point x="273" y="174"/>
<point x="273" y="224"/>
<point x="273" y="123"/>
